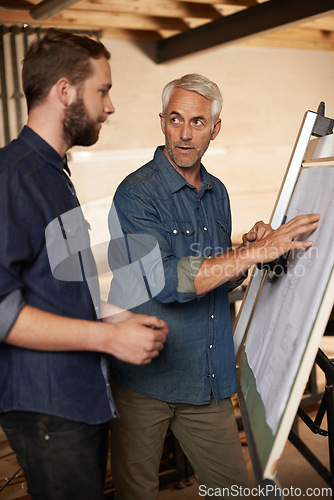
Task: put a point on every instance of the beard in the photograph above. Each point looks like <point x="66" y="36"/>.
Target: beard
<point x="78" y="128"/>
<point x="183" y="162"/>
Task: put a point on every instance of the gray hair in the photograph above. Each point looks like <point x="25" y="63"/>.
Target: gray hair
<point x="199" y="84"/>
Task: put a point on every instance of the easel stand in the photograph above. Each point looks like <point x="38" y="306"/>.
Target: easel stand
<point x="326" y="405"/>
<point x="268" y="420"/>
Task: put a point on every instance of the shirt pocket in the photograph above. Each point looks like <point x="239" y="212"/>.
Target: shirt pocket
<point x="224" y="235"/>
<point x="179" y="228"/>
<point x="180" y="235"/>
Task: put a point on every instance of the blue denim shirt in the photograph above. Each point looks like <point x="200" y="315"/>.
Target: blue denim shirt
<point x="198" y="356"/>
<point x="35" y="190"/>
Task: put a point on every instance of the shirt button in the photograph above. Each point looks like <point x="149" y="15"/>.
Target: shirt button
<point x="210" y="346"/>
<point x="213" y="375"/>
<point x="205" y="228"/>
<point x="187" y="231"/>
<point x="174" y="231"/>
<point x="212" y="316"/>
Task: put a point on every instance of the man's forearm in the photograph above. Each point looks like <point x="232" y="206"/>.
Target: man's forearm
<point x="215" y="271"/>
<point x="43" y="331"/>
<point x="218" y="270"/>
<point x="136" y="340"/>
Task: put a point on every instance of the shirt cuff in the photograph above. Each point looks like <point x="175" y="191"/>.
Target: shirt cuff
<point x="231" y="285"/>
<point x="187" y="269"/>
<point x="10" y="308"/>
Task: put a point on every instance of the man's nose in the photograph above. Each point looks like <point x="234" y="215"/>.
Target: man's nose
<point x="109" y="107"/>
<point x="185" y="132"/>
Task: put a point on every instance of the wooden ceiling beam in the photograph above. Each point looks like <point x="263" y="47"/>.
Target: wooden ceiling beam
<point x="258" y="19"/>
<point x="325" y="23"/>
<point x="126" y="21"/>
<point x="132" y="35"/>
<point x="97" y="21"/>
<point x="15" y="4"/>
<point x="217" y="3"/>
<point x="144" y="7"/>
<point x="303" y="34"/>
<point x="296" y="38"/>
<point x="242" y="3"/>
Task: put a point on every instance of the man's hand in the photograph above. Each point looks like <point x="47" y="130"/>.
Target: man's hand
<point x="259" y="230"/>
<point x="282" y="239"/>
<point x="138" y="340"/>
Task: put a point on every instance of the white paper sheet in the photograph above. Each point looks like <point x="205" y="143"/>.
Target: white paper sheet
<point x="287" y="307"/>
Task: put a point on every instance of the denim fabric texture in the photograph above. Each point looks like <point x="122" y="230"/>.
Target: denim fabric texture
<point x="35" y="190"/>
<point x="198" y="356"/>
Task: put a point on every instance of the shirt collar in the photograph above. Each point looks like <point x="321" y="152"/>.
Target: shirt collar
<point x="44" y="149"/>
<point x="173" y="180"/>
<point x="65" y="165"/>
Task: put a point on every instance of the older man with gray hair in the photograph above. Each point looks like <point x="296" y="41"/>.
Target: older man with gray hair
<point x="188" y="387"/>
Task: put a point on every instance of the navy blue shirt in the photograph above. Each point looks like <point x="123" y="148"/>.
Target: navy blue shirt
<point x="198" y="356"/>
<point x="35" y="190"/>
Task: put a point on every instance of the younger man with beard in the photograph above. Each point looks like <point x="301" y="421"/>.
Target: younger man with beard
<point x="55" y="399"/>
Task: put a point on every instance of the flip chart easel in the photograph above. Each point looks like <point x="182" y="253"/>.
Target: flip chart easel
<point x="280" y="324"/>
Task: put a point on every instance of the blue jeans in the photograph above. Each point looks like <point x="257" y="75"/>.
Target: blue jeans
<point x="61" y="459"/>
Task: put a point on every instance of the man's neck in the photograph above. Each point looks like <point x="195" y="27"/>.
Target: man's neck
<point x="48" y="129"/>
<point x="191" y="174"/>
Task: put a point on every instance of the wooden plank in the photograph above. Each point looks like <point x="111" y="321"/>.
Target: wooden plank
<point x="95" y="20"/>
<point x="134" y="35"/>
<point x="16" y="4"/>
<point x="243" y="3"/>
<point x="324" y="23"/>
<point x="286" y="43"/>
<point x="160" y="8"/>
<point x="298" y="38"/>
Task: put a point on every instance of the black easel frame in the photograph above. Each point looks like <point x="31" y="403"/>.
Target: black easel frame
<point x="326" y="405"/>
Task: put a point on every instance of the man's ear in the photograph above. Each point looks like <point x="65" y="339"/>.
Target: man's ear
<point x="216" y="129"/>
<point x="65" y="91"/>
<point x="162" y="122"/>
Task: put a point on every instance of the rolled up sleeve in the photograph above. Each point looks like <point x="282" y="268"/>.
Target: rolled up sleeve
<point x="187" y="269"/>
<point x="10" y="308"/>
<point x="18" y="222"/>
